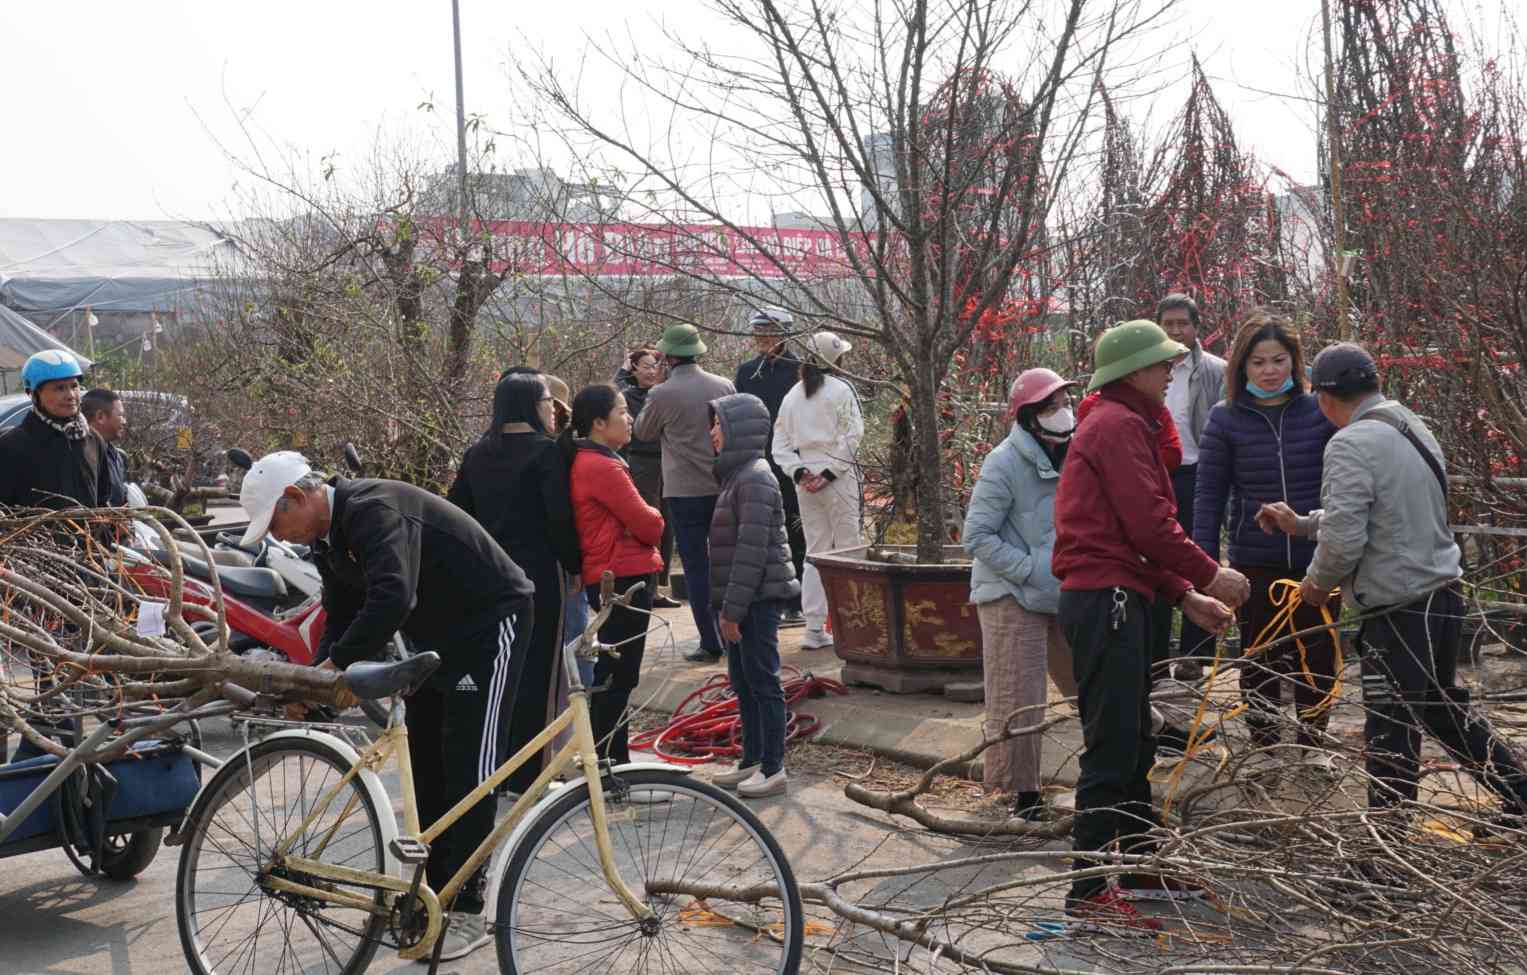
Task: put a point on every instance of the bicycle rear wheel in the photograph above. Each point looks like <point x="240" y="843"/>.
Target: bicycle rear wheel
<point x="557" y="915"/>
<point x="230" y="919"/>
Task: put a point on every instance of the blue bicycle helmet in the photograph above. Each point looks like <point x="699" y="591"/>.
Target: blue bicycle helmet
<point x="48" y="365"/>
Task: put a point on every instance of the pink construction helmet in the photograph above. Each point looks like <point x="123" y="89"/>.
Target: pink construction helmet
<point x="1034" y="386"/>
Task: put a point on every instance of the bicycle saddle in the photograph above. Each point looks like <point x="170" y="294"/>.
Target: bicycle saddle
<point x="369" y="681"/>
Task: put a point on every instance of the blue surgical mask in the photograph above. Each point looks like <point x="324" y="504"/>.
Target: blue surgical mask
<point x="1260" y="393"/>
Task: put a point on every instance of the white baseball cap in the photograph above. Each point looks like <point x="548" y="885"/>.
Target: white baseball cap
<point x="828" y="346"/>
<point x="270" y="475"/>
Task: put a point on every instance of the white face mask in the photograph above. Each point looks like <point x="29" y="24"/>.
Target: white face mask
<point x="1061" y="422"/>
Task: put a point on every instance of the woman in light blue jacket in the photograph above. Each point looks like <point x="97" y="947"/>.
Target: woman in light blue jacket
<point x="1010" y="532"/>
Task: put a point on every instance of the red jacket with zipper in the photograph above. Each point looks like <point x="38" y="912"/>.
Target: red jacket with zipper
<point x="617" y="530"/>
<point x="1115" y="513"/>
<point x="1167" y="438"/>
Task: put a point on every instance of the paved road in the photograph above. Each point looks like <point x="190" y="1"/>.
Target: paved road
<point x="54" y="921"/>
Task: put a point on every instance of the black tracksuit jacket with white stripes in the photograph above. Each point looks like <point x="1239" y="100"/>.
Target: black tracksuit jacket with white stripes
<point x="400" y="558"/>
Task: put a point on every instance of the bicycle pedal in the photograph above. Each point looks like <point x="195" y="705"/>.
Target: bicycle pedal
<point x="409" y="849"/>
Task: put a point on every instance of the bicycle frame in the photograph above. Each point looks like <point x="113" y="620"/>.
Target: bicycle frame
<point x="392" y="745"/>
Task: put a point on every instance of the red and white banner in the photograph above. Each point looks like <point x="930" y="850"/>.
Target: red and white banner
<point x="646" y="250"/>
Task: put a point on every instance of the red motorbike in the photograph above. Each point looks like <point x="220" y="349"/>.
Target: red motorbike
<point x="250" y="598"/>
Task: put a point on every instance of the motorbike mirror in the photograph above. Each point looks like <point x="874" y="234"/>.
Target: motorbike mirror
<point x="239" y="457"/>
<point x="352" y="457"/>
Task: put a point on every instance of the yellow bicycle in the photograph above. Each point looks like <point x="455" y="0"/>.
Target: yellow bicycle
<point x="292" y="860"/>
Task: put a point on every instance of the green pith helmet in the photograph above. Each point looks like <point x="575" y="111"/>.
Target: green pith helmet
<point x="682" y="341"/>
<point x="1130" y="346"/>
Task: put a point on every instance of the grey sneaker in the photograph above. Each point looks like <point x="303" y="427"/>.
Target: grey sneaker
<point x="467" y="933"/>
<point x="730" y="780"/>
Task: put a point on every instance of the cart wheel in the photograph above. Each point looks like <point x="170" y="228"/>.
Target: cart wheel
<point x="129" y="854"/>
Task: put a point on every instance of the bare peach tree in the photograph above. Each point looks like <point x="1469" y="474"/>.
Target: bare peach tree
<point x="930" y="137"/>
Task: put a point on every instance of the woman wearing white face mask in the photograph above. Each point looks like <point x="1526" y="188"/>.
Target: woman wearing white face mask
<point x="1010" y="532"/>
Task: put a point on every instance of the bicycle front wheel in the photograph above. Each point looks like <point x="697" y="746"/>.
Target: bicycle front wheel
<point x="231" y="919"/>
<point x="557" y="915"/>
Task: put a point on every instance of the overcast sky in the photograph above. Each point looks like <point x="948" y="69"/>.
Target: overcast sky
<point x="102" y="98"/>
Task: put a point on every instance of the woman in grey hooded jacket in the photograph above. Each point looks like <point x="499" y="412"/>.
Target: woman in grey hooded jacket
<point x="1010" y="532"/>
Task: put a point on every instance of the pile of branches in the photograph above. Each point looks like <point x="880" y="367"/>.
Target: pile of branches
<point x="1302" y="875"/>
<point x="70" y="644"/>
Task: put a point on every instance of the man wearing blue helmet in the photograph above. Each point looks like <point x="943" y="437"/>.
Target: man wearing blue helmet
<point x="53" y="459"/>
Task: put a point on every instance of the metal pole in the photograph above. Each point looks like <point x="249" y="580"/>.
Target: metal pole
<point x="461" y="122"/>
<point x="1338" y="217"/>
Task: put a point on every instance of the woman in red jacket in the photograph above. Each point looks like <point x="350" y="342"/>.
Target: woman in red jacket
<point x="618" y="532"/>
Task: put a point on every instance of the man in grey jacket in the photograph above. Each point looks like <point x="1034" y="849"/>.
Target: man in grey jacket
<point x="678" y="416"/>
<point x="1198" y="382"/>
<point x="1383" y="535"/>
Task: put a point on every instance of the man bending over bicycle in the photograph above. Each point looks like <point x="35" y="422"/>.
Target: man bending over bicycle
<point x="394" y="557"/>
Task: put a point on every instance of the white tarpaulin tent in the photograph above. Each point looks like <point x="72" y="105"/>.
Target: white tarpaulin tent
<point x="19" y="339"/>
<point x="50" y="268"/>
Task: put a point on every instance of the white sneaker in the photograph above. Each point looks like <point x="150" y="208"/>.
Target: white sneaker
<point x="740" y="774"/>
<point x="815" y="639"/>
<point x="649" y="797"/>
<point x="760" y="786"/>
<point x="466" y="934"/>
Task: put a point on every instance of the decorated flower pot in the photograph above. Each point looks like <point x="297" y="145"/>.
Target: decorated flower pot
<point x="903" y="627"/>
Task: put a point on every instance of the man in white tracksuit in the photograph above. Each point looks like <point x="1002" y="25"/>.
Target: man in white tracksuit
<point x="816" y="441"/>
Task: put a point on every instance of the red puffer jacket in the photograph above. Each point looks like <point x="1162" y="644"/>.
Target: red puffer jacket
<point x="617" y="530"/>
<point x="1115" y="514"/>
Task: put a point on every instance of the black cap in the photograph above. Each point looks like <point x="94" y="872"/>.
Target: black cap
<point x="1343" y="367"/>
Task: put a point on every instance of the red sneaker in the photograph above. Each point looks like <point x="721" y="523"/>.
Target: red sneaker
<point x="1155" y="887"/>
<point x="1109" y="912"/>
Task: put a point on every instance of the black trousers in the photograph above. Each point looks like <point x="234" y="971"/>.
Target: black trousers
<point x="536" y="693"/>
<point x="454" y="745"/>
<point x="628" y="628"/>
<point x="1410" y="665"/>
<point x="1273" y="675"/>
<point x="1109" y="631"/>
<point x="795" y="532"/>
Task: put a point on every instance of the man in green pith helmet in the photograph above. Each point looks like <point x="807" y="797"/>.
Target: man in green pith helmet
<point x="1118" y="548"/>
<point x="678" y="415"/>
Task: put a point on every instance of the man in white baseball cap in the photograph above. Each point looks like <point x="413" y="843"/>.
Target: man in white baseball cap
<point x="264" y="485"/>
<point x="395" y="557"/>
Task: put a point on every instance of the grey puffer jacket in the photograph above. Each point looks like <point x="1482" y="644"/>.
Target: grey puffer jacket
<point x="749" y="551"/>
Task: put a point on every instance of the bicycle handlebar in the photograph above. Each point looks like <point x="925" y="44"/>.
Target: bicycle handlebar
<point x="587" y="644"/>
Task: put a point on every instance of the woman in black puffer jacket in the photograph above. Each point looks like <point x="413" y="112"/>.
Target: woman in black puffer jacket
<point x="1266" y="442"/>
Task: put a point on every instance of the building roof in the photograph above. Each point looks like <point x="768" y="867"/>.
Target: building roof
<point x="58" y="266"/>
<point x="19" y="339"/>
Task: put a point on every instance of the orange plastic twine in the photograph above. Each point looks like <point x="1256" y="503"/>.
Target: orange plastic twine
<point x="1283" y="594"/>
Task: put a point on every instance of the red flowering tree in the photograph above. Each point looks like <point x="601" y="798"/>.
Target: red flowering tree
<point x="1434" y="148"/>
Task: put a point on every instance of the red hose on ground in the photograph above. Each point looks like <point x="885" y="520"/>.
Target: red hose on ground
<point x="706" y="726"/>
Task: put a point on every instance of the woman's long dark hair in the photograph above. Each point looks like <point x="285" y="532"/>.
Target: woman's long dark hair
<point x="814" y="373"/>
<point x="592" y="403"/>
<point x="517" y="399"/>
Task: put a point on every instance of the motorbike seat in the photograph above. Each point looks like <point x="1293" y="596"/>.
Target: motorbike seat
<point x="265" y="585"/>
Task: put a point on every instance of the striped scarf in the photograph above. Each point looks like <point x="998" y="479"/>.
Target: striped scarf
<point x="75" y="428"/>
